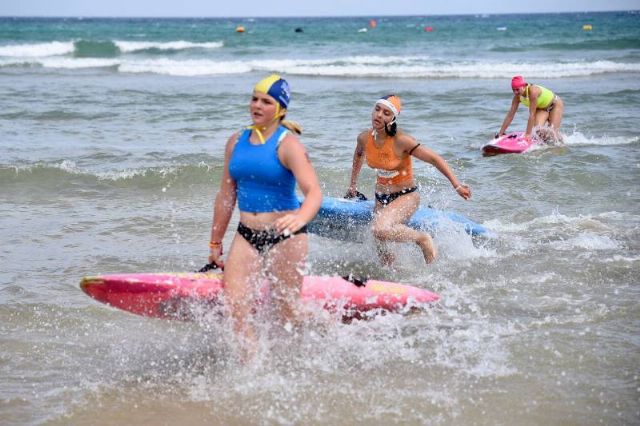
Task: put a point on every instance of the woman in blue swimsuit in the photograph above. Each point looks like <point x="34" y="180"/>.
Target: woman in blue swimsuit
<point x="262" y="165"/>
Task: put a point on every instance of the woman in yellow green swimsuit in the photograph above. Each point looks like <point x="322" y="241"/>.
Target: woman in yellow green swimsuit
<point x="544" y="107"/>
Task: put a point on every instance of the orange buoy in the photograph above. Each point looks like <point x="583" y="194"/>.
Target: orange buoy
<point x="239" y="29"/>
<point x="373" y="23"/>
<point x="428" y="29"/>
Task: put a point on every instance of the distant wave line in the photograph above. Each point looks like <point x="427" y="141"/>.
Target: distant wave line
<point x="352" y="66"/>
<point x="59" y="48"/>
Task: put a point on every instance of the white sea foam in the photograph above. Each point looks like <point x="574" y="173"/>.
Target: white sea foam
<point x="373" y="66"/>
<point x="79" y="63"/>
<point x="454" y="243"/>
<point x="133" y="46"/>
<point x="65" y="165"/>
<point x="499" y="226"/>
<point x="586" y="241"/>
<point x="126" y="174"/>
<point x="579" y="222"/>
<point x="368" y="66"/>
<point x="348" y="66"/>
<point x="71" y="167"/>
<point x="622" y="259"/>
<point x="57" y="62"/>
<point x="56" y="48"/>
<point x="614" y="215"/>
<point x="36" y="50"/>
<point x="579" y="139"/>
<point x="186" y="68"/>
<point x="346" y="60"/>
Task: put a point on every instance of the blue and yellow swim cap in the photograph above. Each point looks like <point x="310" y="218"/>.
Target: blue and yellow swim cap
<point x="276" y="87"/>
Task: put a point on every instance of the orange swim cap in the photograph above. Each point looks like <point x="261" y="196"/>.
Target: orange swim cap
<point x="392" y="102"/>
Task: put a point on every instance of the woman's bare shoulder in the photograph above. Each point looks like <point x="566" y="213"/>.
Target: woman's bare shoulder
<point x="403" y="138"/>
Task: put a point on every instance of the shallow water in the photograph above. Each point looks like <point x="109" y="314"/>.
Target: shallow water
<point x="111" y="154"/>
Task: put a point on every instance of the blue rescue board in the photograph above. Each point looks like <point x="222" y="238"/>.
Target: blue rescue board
<point x="338" y="218"/>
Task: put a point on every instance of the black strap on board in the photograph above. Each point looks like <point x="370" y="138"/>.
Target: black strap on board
<point x="209" y="266"/>
<point x="358" y="282"/>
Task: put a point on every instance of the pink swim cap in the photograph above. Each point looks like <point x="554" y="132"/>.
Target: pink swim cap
<point x="518" y="81"/>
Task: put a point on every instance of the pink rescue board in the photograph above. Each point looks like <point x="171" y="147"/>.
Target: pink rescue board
<point x="179" y="295"/>
<point x="511" y="143"/>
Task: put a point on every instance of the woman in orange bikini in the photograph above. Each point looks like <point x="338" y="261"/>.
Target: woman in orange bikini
<point x="389" y="151"/>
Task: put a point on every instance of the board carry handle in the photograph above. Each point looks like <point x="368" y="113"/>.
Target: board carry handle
<point x="357" y="281"/>
<point x="210" y="266"/>
<point x="359" y="195"/>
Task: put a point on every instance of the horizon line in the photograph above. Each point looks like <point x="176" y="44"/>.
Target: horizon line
<point x="307" y="16"/>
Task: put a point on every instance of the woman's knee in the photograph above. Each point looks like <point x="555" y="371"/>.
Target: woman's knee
<point x="381" y="230"/>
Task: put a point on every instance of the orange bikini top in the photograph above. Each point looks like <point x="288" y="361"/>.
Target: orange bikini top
<point x="392" y="170"/>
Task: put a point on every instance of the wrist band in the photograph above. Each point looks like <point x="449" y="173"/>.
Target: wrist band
<point x="215" y="244"/>
<point x="457" y="187"/>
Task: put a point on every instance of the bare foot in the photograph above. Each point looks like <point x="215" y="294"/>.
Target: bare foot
<point x="428" y="248"/>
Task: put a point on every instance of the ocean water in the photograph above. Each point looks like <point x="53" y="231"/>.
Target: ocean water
<point x="111" y="142"/>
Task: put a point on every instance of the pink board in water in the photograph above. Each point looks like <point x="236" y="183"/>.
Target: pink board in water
<point x="511" y="143"/>
<point x="175" y="295"/>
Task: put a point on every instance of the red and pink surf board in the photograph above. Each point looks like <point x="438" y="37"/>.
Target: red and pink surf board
<point x="511" y="143"/>
<point x="173" y="295"/>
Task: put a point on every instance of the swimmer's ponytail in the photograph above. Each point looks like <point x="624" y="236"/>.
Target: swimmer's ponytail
<point x="391" y="128"/>
<point x="293" y="126"/>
